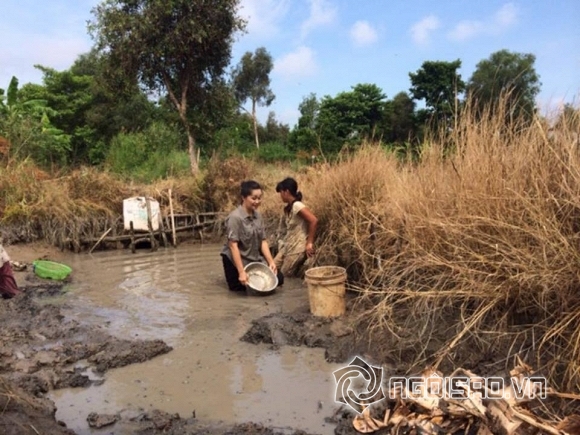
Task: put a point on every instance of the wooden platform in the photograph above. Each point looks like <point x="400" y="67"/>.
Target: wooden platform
<point x="164" y="235"/>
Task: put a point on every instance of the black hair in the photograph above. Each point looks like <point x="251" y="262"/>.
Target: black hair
<point x="291" y="186"/>
<point x="248" y="186"/>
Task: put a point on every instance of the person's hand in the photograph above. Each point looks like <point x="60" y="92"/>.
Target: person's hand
<point x="273" y="267"/>
<point x="309" y="249"/>
<point x="244" y="278"/>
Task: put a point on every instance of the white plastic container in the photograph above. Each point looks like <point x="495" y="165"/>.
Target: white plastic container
<point x="135" y="209"/>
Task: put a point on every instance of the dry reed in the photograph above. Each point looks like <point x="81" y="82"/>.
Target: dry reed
<point x="65" y="209"/>
<point x="470" y="255"/>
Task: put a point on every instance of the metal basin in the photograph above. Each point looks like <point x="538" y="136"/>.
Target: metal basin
<point x="262" y="280"/>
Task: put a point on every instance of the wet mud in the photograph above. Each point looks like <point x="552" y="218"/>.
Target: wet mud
<point x="153" y="343"/>
<point x="336" y="336"/>
<point x="41" y="350"/>
<point x="156" y="347"/>
<point x="194" y="363"/>
<point x="40" y="346"/>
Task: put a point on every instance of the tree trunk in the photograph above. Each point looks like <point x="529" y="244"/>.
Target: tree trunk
<point x="181" y="106"/>
<point x="255" y="123"/>
<point x="193" y="153"/>
<point x="191" y="148"/>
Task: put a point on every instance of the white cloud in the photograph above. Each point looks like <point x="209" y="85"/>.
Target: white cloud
<point x="362" y="33"/>
<point x="299" y="63"/>
<point x="322" y="13"/>
<point x="506" y="16"/>
<point x="503" y="19"/>
<point x="421" y="31"/>
<point x="263" y="16"/>
<point x="466" y="30"/>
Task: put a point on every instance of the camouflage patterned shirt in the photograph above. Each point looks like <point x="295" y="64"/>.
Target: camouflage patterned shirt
<point x="3" y="256"/>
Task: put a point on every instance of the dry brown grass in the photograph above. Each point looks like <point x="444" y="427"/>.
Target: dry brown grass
<point x="222" y="181"/>
<point x="63" y="209"/>
<point x="467" y="257"/>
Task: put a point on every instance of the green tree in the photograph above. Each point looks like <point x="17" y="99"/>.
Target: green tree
<point x="111" y="112"/>
<point x="178" y="46"/>
<point x="309" y="108"/>
<point x="401" y="123"/>
<point x="275" y="131"/>
<point x="27" y="126"/>
<point x="251" y="80"/>
<point x="351" y="116"/>
<point x="213" y="108"/>
<point x="303" y="136"/>
<point x="87" y="109"/>
<point x="505" y="78"/>
<point x="439" y="84"/>
<point x="69" y="96"/>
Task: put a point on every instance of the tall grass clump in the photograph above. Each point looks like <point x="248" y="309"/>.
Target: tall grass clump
<point x="59" y="208"/>
<point x="65" y="209"/>
<point x="470" y="255"/>
<point x="222" y="179"/>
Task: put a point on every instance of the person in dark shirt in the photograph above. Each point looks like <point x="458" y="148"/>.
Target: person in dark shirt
<point x="246" y="239"/>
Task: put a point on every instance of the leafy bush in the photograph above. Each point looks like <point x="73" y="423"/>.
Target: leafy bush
<point x="148" y="155"/>
<point x="161" y="164"/>
<point x="274" y="152"/>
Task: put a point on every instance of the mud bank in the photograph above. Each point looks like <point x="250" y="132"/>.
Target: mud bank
<point x="46" y="347"/>
<point x="337" y="336"/>
<point x="41" y="350"/>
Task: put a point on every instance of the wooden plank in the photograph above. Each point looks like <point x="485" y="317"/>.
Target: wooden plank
<point x="172" y="219"/>
<point x="99" y="241"/>
<point x="132" y="237"/>
<point x="126" y="237"/>
<point x="152" y="239"/>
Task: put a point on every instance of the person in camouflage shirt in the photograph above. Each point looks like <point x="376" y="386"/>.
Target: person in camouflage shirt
<point x="8" y="286"/>
<point x="298" y="243"/>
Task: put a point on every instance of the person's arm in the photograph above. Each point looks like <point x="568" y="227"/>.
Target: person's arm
<point x="237" y="259"/>
<point x="311" y="222"/>
<point x="265" y="248"/>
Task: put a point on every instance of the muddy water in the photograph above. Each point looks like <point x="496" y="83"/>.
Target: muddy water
<point x="179" y="295"/>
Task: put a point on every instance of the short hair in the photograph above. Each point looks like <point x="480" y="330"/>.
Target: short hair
<point x="248" y="186"/>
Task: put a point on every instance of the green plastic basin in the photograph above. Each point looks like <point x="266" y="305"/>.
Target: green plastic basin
<point x="51" y="269"/>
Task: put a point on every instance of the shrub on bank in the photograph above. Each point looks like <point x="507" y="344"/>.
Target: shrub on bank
<point x="157" y="152"/>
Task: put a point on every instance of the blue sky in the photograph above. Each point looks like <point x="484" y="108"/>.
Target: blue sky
<point x="328" y="46"/>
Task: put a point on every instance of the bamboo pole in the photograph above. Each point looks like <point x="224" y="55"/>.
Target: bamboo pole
<point x="150" y="225"/>
<point x="101" y="239"/>
<point x="172" y="220"/>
